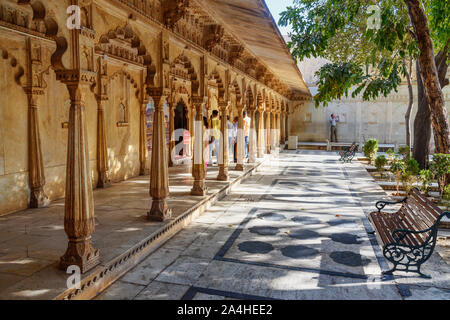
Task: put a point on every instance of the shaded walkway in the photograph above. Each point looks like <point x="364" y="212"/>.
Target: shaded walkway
<point x="295" y="230"/>
<point x="32" y="241"/>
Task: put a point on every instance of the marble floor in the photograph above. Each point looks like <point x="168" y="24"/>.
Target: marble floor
<point x="32" y="241"/>
<point x="297" y="229"/>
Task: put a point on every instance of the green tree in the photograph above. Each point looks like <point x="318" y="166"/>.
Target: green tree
<point x="370" y="149"/>
<point x="425" y="177"/>
<point x="322" y="27"/>
<point x="440" y="166"/>
<point x="397" y="167"/>
<point x="380" y="162"/>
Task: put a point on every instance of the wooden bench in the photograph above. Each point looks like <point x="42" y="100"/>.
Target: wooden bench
<point x="348" y="155"/>
<point x="408" y="236"/>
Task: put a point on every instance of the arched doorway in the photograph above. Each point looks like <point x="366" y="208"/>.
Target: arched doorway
<point x="180" y="126"/>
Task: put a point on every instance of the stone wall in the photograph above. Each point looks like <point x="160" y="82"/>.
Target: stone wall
<point x="383" y="119"/>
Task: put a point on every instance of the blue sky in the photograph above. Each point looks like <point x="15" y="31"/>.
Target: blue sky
<point x="276" y="7"/>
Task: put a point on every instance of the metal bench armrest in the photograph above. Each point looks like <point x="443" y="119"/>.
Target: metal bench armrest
<point x="400" y="234"/>
<point x="381" y="204"/>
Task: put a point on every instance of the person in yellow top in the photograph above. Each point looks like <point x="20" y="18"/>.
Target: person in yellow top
<point x="214" y="125"/>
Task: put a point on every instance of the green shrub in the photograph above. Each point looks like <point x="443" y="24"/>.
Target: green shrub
<point x="446" y="197"/>
<point x="405" y="151"/>
<point x="390" y="154"/>
<point x="425" y="178"/>
<point x="380" y="162"/>
<point x="397" y="167"/>
<point x="370" y="149"/>
<point x="440" y="166"/>
<point x="409" y="173"/>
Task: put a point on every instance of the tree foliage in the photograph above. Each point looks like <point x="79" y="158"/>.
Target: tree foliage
<point x="366" y="61"/>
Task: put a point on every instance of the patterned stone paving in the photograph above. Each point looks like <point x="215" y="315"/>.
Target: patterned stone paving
<point x="295" y="230"/>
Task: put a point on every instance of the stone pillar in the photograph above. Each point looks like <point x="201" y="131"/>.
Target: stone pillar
<point x="102" y="150"/>
<point x="282" y="129"/>
<point x="278" y="125"/>
<point x="223" y="149"/>
<point x="143" y="148"/>
<point x="171" y="132"/>
<point x="261" y="135"/>
<point x="268" y="132"/>
<point x="240" y="139"/>
<point x="36" y="177"/>
<point x="252" y="148"/>
<point x="79" y="221"/>
<point x="198" y="164"/>
<point x="159" y="170"/>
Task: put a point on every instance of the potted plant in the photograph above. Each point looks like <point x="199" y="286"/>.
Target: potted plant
<point x="380" y="162"/>
<point x="425" y="178"/>
<point x="397" y="167"/>
<point x="440" y="166"/>
<point x="370" y="149"/>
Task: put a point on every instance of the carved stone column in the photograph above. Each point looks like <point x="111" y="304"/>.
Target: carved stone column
<point x="143" y="148"/>
<point x="268" y="132"/>
<point x="171" y="132"/>
<point x="282" y="129"/>
<point x="223" y="149"/>
<point x="102" y="150"/>
<point x="198" y="164"/>
<point x="159" y="172"/>
<point x="79" y="221"/>
<point x="252" y="148"/>
<point x="38" y="198"/>
<point x="240" y="139"/>
<point x="261" y="135"/>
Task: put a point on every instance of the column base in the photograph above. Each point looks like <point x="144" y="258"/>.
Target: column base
<point x="199" y="188"/>
<point x="144" y="172"/>
<point x="160" y="211"/>
<point x="239" y="167"/>
<point x="38" y="198"/>
<point x="223" y="174"/>
<point x="103" y="181"/>
<point x="80" y="253"/>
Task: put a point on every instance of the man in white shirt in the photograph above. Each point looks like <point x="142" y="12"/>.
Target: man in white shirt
<point x="333" y="121"/>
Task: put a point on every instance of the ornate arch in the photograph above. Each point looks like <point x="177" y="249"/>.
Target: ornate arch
<point x="182" y="67"/>
<point x="110" y="44"/>
<point x="237" y="90"/>
<point x="215" y="76"/>
<point x="129" y="77"/>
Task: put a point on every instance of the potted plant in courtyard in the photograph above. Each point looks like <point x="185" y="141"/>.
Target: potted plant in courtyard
<point x="396" y="168"/>
<point x="425" y="178"/>
<point x="409" y="174"/>
<point x="440" y="166"/>
<point x="380" y="162"/>
<point x="370" y="149"/>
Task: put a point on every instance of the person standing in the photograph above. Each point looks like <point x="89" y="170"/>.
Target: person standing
<point x="333" y="132"/>
<point x="247" y="121"/>
<point x="214" y="125"/>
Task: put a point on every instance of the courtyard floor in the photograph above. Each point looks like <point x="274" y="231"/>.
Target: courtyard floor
<point x="296" y="229"/>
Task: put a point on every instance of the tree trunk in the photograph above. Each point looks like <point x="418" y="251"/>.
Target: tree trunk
<point x="410" y="102"/>
<point x="422" y="122"/>
<point x="429" y="76"/>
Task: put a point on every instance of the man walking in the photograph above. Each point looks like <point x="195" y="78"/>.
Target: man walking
<point x="333" y="121"/>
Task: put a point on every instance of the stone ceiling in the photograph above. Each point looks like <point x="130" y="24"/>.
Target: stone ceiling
<point x="251" y="22"/>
